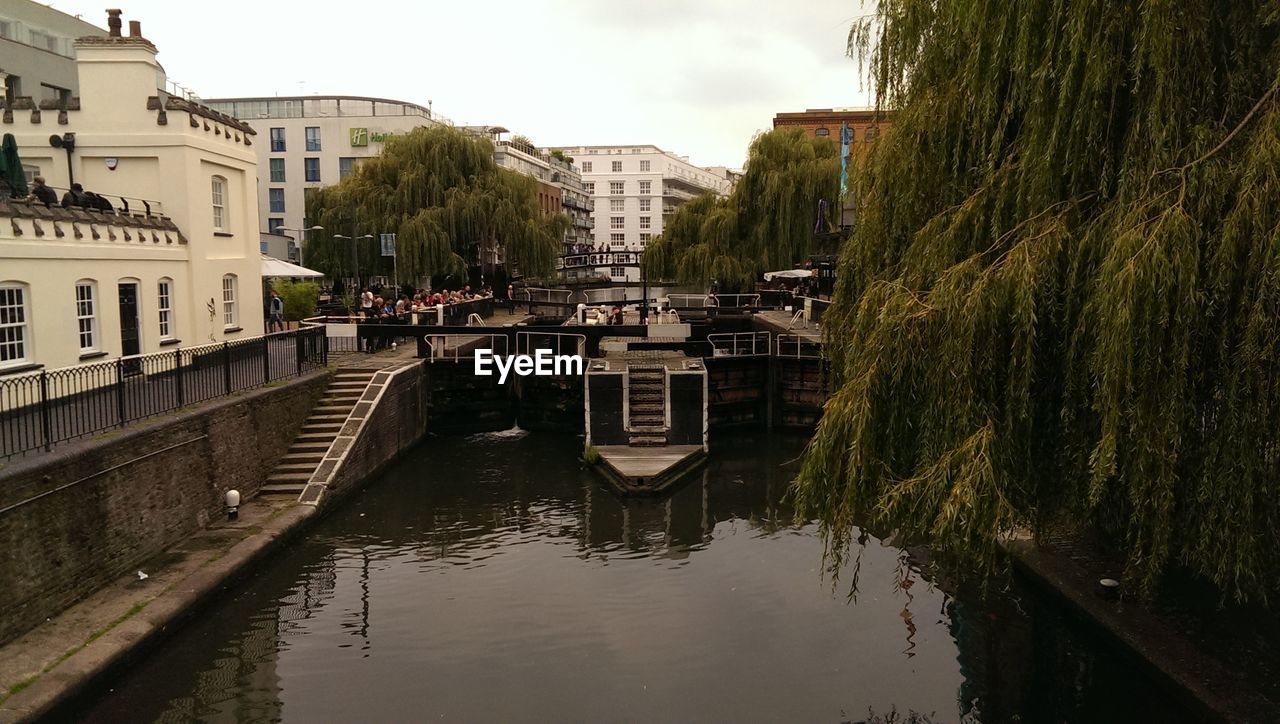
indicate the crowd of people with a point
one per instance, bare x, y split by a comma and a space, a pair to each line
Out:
588, 249
376, 308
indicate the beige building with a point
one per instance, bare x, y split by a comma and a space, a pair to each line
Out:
180, 267
37, 51
306, 142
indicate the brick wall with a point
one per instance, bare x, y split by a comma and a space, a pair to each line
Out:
398, 423
132, 494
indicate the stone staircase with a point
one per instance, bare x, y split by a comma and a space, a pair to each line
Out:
318, 433
646, 402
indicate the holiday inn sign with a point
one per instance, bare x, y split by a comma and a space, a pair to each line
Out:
362, 137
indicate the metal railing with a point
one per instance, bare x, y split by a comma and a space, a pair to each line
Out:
686, 301
475, 320
740, 344
41, 409
455, 347
794, 346
560, 343
733, 300
538, 294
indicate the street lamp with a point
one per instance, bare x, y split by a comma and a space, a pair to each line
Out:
354, 258
302, 238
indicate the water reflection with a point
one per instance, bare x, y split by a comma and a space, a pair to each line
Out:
494, 578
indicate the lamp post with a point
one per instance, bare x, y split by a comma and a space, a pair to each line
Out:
302, 236
355, 259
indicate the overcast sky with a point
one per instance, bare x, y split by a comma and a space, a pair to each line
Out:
698, 78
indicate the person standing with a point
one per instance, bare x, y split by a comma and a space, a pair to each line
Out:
275, 317
366, 303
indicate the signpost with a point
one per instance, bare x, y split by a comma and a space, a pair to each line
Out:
389, 249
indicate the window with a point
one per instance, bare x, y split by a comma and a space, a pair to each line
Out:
276, 199
277, 140
617, 241
645, 186
822, 132
87, 315
345, 167
645, 204
277, 170
313, 138
644, 222
311, 170
871, 133
229, 315
13, 324
164, 293
644, 238
589, 187
586, 167
617, 271
644, 166
617, 204
617, 166
273, 225
615, 188
617, 222
262, 247
219, 203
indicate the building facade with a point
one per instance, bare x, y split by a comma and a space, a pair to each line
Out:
866, 123
37, 52
307, 142
634, 190
178, 265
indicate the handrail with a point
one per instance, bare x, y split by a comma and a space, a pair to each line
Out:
794, 346
475, 320
455, 346
740, 344
525, 342
798, 316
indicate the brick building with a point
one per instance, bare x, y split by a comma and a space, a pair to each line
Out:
866, 123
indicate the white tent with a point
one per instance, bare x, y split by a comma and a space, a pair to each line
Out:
788, 274
273, 267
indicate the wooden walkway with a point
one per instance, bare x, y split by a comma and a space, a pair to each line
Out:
648, 469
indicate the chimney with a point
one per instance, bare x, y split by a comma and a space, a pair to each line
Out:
135, 28
113, 22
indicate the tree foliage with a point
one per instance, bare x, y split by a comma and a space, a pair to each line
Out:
299, 298
1061, 301
766, 223
450, 205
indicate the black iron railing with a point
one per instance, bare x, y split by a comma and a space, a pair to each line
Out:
41, 409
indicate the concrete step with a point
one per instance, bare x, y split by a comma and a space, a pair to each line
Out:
339, 399
285, 468
648, 429
303, 456
647, 441
332, 409
647, 408
315, 437
311, 445
326, 417
290, 477
282, 489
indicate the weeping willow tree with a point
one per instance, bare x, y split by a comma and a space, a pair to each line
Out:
767, 222
450, 205
1061, 301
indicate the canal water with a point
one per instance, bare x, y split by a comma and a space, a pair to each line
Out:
494, 578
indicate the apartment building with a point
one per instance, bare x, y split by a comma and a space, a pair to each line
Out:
635, 189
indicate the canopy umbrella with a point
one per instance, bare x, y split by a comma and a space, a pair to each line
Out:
273, 267
788, 274
11, 166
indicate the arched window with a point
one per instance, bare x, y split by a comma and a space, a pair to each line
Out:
871, 133
219, 203
87, 314
822, 132
15, 332
164, 296
230, 314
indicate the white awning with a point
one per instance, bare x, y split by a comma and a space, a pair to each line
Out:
273, 267
788, 274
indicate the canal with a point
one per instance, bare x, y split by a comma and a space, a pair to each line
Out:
493, 578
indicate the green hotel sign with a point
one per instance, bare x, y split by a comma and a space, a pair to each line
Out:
362, 137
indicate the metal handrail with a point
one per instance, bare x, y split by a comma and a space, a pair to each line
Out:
740, 344
525, 342
455, 346
475, 320
798, 316
794, 346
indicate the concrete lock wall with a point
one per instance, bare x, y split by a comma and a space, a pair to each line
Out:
75, 519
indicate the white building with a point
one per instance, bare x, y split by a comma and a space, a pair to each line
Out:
306, 142
635, 188
182, 266
37, 52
